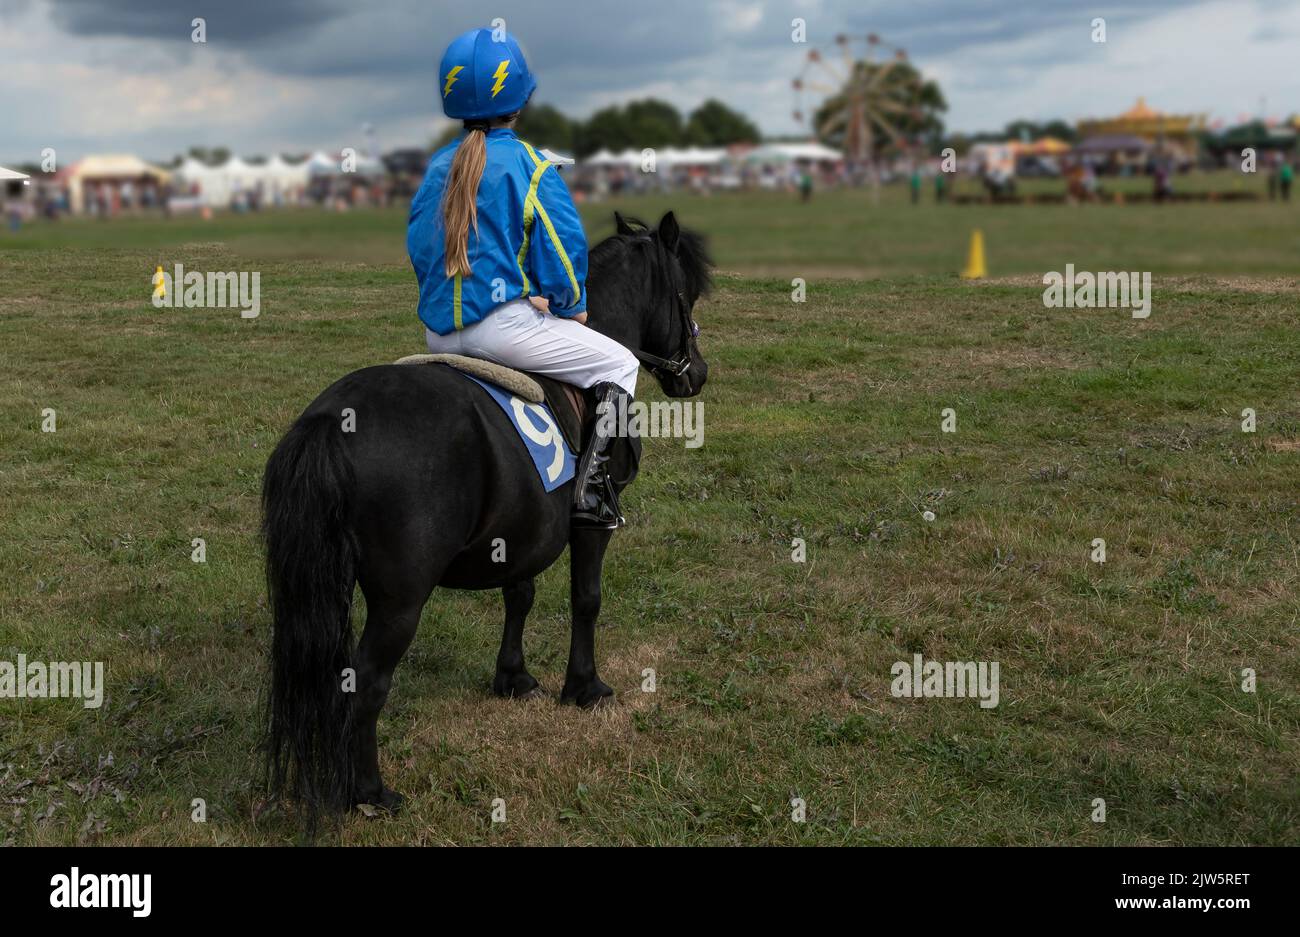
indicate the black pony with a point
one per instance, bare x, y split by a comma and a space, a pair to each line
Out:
401, 478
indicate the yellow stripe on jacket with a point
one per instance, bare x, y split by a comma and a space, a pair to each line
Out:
533, 203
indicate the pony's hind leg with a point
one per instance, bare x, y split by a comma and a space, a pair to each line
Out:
389, 631
512, 677
396, 585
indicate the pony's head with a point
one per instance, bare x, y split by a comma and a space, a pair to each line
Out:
648, 281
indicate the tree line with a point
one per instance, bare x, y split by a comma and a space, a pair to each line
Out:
637, 124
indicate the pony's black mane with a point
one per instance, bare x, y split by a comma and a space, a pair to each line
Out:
692, 254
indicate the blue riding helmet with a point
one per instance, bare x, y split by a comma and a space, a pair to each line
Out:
481, 77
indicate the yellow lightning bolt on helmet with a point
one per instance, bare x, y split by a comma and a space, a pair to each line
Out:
451, 79
501, 74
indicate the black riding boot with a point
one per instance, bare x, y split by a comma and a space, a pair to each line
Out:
595, 502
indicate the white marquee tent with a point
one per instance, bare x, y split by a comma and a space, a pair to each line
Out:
693, 156
285, 174
786, 152
218, 186
628, 158
322, 164
668, 156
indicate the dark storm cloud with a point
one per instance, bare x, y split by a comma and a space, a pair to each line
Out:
585, 46
936, 27
335, 37
408, 36
234, 20
580, 48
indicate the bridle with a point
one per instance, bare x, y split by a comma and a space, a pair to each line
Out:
678, 366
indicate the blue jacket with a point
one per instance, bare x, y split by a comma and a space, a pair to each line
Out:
530, 240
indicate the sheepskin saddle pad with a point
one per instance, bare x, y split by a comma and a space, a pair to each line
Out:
516, 382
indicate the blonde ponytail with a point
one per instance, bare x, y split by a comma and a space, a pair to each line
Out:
460, 201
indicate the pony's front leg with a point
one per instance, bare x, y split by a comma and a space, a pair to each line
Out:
512, 678
586, 558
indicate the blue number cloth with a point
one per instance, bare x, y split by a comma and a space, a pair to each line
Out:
537, 428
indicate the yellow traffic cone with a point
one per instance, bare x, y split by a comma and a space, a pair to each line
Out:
975, 268
159, 283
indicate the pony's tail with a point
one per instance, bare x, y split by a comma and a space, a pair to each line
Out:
460, 201
311, 560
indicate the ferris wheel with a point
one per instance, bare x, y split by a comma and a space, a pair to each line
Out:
857, 92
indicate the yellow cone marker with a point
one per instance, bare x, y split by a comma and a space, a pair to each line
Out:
975, 268
160, 284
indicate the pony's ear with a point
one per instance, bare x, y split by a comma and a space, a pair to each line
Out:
622, 226
669, 232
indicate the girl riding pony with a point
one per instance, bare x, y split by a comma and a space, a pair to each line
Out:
501, 257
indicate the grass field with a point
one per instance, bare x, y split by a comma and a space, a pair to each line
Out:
1119, 681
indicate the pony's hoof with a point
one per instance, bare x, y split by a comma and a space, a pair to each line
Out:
388, 801
521, 686
591, 695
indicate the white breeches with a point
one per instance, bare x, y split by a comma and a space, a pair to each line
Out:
520, 336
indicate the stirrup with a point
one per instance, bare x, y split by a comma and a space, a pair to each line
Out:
592, 522
606, 515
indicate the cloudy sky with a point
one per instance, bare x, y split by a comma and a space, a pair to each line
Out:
293, 75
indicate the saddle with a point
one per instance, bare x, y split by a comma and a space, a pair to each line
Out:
570, 405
